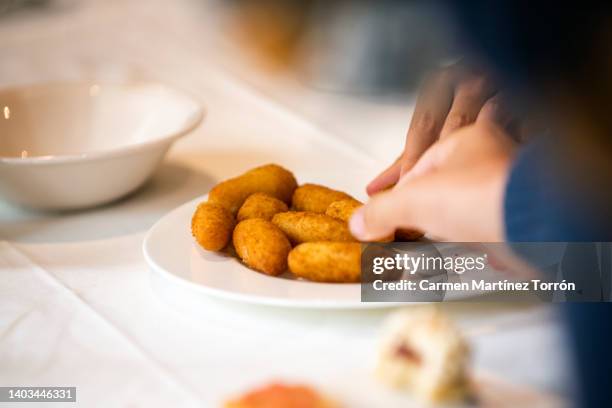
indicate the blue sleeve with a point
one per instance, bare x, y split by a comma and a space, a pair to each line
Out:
542, 204
559, 222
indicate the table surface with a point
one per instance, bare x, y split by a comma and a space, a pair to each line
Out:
77, 306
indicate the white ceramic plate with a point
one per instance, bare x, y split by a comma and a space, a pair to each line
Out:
177, 261
181, 269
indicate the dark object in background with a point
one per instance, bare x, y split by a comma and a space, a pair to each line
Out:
557, 53
374, 47
347, 46
590, 327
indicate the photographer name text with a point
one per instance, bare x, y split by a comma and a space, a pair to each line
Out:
473, 285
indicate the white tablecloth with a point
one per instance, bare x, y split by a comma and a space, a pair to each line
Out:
76, 304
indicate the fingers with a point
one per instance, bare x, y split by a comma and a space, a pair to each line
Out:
388, 211
385, 179
434, 157
378, 218
474, 213
430, 112
469, 97
494, 111
449, 100
455, 185
498, 110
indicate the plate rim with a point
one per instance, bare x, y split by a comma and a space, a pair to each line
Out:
190, 125
240, 297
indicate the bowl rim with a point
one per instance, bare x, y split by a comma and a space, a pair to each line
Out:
193, 122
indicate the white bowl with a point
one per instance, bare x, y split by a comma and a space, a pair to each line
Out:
75, 145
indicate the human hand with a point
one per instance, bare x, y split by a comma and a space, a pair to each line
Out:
454, 192
450, 99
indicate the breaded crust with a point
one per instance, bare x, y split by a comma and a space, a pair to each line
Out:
302, 226
260, 205
344, 209
270, 179
262, 246
315, 198
212, 225
327, 261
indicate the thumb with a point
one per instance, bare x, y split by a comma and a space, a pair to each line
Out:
409, 204
383, 214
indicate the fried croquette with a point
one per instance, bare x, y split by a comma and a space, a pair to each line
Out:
302, 226
344, 209
315, 198
327, 261
403, 235
212, 225
270, 179
282, 396
260, 205
262, 246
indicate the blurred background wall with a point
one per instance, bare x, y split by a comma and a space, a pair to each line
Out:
349, 67
353, 46
336, 45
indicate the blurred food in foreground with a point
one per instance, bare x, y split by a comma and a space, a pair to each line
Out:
423, 352
278, 395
